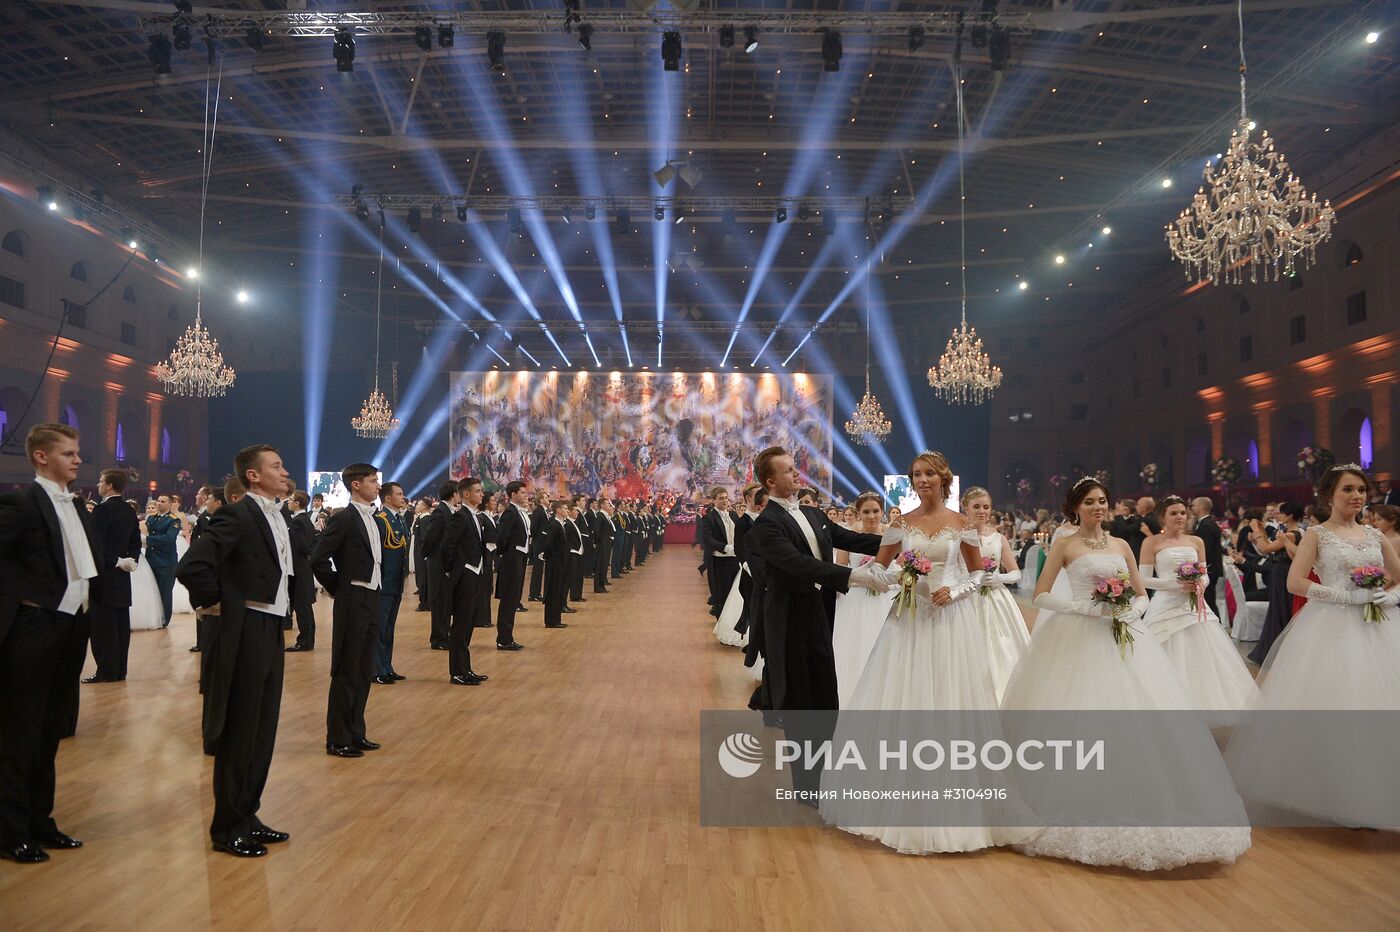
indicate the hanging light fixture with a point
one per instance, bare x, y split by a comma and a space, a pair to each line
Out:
195, 367
868, 424
964, 373
376, 418
1252, 211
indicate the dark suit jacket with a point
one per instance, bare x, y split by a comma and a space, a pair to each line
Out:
573, 537
554, 546
200, 523
234, 561
431, 529
302, 534
538, 519
742, 525
603, 532
163, 532
712, 536
1209, 533
462, 545
510, 530
794, 634
344, 552
117, 531
32, 565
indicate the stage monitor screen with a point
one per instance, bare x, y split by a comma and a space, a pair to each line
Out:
899, 494
328, 485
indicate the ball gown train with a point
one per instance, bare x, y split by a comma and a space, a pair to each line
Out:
147, 613
860, 615
1204, 657
1073, 663
1328, 658
1002, 622
931, 658
729, 616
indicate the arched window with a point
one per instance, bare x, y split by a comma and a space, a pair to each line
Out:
165, 444
14, 243
1241, 304
78, 272
1364, 442
70, 417
121, 443
1353, 255
129, 294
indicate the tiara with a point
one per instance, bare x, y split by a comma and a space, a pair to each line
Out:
1347, 467
1084, 479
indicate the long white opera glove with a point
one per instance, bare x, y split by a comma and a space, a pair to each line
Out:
1321, 593
1050, 602
892, 535
970, 584
1386, 597
970, 535
1139, 608
1001, 579
1150, 579
874, 577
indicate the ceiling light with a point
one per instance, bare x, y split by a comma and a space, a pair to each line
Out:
831, 51
1059, 260
680, 215
726, 37
46, 197
446, 35
191, 272
496, 50
1166, 182
241, 297
1107, 230
665, 174
1372, 37
660, 212
750, 39
585, 37
158, 54
564, 215
344, 49
423, 38
1024, 285
128, 236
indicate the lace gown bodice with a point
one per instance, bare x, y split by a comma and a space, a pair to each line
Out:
1085, 572
991, 546
1337, 557
942, 551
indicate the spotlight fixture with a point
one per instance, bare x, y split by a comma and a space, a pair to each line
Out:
999, 48
750, 39
153, 253
916, 38
184, 6
665, 174
461, 213
726, 37
660, 212
1372, 37
253, 38
671, 51
831, 51
1107, 230
357, 191
624, 221
344, 49
1024, 285
780, 215
192, 272
1166, 182
804, 213
361, 211
446, 35
158, 54
590, 212
423, 38
241, 297
690, 175
585, 37
415, 220
128, 236
1060, 260
211, 47
437, 211
180, 32
566, 216
496, 50
46, 197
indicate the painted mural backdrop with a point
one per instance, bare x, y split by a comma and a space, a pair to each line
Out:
635, 434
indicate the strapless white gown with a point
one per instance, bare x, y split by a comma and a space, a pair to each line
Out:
931, 658
860, 616
180, 596
729, 616
147, 612
1002, 622
1328, 658
1204, 657
1073, 663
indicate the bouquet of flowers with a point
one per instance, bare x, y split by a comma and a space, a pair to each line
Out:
1024, 488
1314, 461
1056, 481
1149, 475
1370, 577
1117, 591
1102, 476
913, 565
1226, 469
989, 565
1193, 571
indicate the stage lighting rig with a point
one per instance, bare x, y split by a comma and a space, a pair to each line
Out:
496, 50
183, 6
999, 48
750, 39
916, 38
415, 220
461, 213
447, 35
726, 37
624, 222
780, 215
585, 37
659, 213
361, 211
831, 50
180, 32
344, 49
437, 211
158, 53
671, 51
253, 38
804, 213
590, 212
423, 38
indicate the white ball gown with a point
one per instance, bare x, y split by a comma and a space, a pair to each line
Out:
860, 616
1201, 652
730, 614
932, 658
147, 611
180, 596
1328, 658
1002, 622
1073, 663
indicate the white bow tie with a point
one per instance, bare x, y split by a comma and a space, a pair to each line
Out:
60, 497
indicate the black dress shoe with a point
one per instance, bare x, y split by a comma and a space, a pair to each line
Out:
439, 647
421, 608
268, 836
298, 649
568, 611
364, 744
24, 854
385, 680
483, 624
195, 649
397, 677
244, 846
511, 646
560, 625
521, 608
480, 677
580, 599
464, 681
344, 750
57, 839
535, 598
99, 679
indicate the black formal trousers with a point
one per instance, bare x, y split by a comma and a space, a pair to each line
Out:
70, 670
439, 603
538, 571
556, 590
575, 576
483, 591
466, 608
111, 640
602, 559
619, 549
243, 751
304, 611
510, 583
354, 657
33, 716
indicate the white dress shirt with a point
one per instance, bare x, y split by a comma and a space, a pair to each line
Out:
476, 518
367, 517
525, 519
795, 510
579, 551
272, 514
728, 524
78, 561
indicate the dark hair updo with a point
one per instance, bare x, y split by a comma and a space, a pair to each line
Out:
1077, 493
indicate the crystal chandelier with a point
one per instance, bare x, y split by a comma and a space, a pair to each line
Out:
376, 419
964, 373
196, 368
868, 424
1252, 211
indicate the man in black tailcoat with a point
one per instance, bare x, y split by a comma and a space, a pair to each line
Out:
488, 571
513, 547
555, 553
439, 599
539, 517
463, 559
239, 573
1209, 532
794, 635
118, 535
303, 536
718, 539
603, 533
48, 560
578, 543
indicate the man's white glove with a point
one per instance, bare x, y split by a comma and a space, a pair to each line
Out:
874, 577
1386, 596
126, 565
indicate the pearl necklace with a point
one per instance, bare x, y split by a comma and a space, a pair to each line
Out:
1099, 543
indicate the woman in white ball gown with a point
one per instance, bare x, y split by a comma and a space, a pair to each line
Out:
930, 657
1002, 622
1074, 663
860, 613
1203, 655
1330, 657
147, 610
